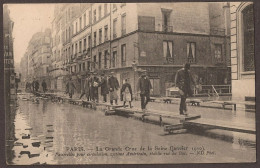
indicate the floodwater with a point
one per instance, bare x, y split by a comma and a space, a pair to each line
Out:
71, 134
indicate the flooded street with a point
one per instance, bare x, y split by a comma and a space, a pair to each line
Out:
55, 133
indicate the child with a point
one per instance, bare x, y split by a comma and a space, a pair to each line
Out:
126, 93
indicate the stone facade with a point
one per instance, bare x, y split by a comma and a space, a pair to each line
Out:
242, 49
112, 37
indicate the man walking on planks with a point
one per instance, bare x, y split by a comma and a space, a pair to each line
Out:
144, 86
184, 81
113, 86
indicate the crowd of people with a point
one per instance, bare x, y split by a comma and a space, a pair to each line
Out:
34, 86
109, 86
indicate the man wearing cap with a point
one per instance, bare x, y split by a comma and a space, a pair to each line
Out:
184, 81
143, 87
113, 86
104, 89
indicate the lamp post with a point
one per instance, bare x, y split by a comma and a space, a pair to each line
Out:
134, 66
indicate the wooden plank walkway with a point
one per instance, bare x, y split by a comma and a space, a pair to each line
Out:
236, 127
158, 113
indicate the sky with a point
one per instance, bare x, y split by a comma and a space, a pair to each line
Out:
28, 19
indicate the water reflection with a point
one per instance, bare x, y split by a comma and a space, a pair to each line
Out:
58, 127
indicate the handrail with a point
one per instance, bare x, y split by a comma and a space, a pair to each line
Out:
215, 90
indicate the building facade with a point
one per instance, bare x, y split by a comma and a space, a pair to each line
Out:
242, 49
35, 62
9, 72
125, 37
61, 42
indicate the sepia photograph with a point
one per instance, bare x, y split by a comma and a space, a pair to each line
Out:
129, 83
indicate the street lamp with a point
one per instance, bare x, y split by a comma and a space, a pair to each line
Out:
134, 66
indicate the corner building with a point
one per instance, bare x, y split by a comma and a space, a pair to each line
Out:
127, 37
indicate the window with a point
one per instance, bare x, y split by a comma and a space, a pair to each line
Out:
95, 16
76, 27
114, 28
100, 36
168, 51
72, 50
89, 15
114, 57
88, 65
105, 33
69, 52
123, 24
248, 34
85, 19
80, 46
83, 66
218, 53
89, 41
95, 38
85, 44
94, 61
76, 48
80, 23
105, 59
99, 60
123, 55
79, 67
99, 12
105, 9
191, 52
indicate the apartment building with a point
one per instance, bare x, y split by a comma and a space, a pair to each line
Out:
127, 37
9, 73
242, 50
36, 61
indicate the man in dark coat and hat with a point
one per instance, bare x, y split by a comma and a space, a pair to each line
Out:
113, 86
144, 87
44, 86
104, 89
184, 81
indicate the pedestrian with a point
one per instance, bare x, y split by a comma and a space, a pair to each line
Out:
70, 85
144, 87
27, 86
33, 85
184, 80
36, 85
126, 93
44, 86
91, 88
95, 85
86, 91
82, 87
104, 89
113, 86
